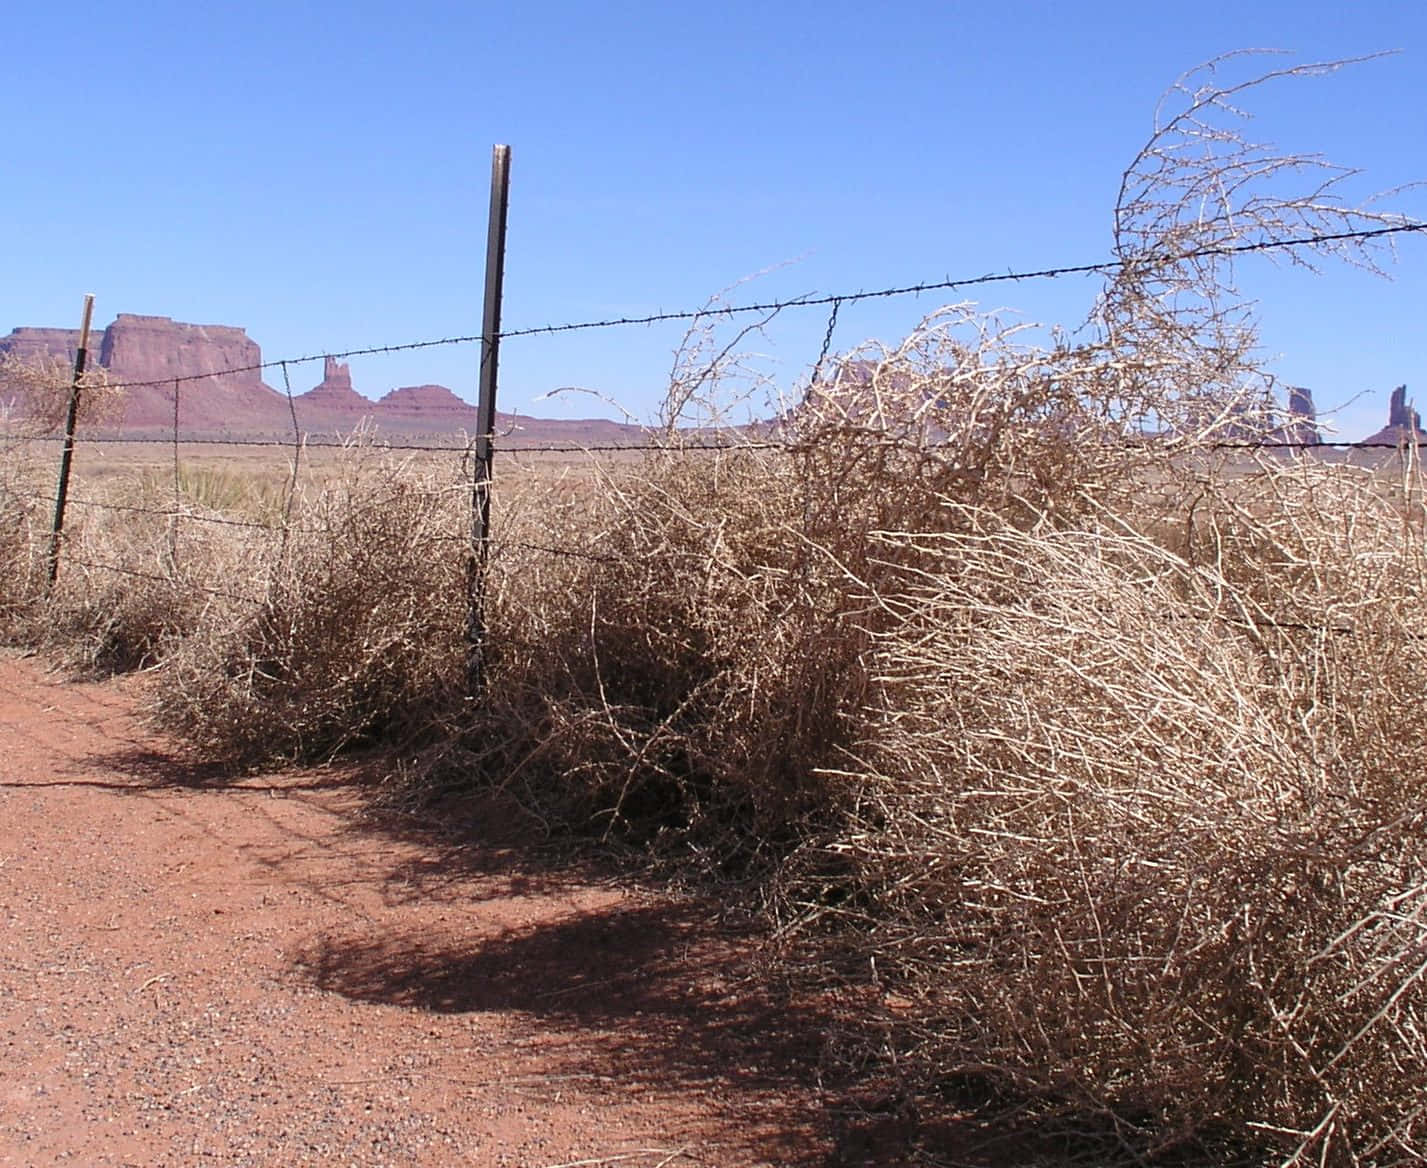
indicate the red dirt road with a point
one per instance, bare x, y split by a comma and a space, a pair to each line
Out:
256, 974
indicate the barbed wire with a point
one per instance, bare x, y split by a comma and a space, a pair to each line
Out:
275, 525
546, 549
285, 443
1311, 443
124, 570
158, 512
684, 447
836, 300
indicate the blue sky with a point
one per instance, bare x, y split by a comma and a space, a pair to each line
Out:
318, 173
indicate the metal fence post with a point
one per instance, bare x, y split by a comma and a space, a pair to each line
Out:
485, 421
66, 458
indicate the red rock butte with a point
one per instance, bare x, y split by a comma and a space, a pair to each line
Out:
207, 380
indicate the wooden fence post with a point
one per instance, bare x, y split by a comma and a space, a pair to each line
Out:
66, 458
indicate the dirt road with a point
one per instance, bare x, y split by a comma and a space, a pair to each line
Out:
256, 974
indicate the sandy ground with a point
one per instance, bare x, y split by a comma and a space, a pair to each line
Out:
257, 974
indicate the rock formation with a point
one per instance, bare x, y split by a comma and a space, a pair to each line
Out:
221, 393
1404, 424
425, 399
332, 398
1400, 414
425, 408
27, 343
336, 374
1301, 423
156, 350
148, 353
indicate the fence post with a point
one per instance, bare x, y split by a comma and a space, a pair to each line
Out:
485, 422
66, 458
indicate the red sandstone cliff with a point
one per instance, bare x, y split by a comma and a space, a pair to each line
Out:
146, 354
155, 349
221, 391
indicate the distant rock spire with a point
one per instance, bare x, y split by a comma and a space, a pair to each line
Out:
1301, 424
335, 374
1400, 415
1404, 424
333, 393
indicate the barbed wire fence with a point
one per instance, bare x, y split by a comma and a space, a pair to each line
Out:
302, 446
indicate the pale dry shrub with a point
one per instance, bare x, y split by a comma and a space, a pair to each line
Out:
35, 392
1114, 790
661, 674
683, 665
1106, 861
116, 598
354, 631
1198, 189
25, 517
95, 619
693, 648
136, 575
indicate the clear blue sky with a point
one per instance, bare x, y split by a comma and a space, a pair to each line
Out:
318, 173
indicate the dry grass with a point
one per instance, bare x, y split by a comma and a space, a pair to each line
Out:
1131, 849
1118, 797
23, 522
352, 630
35, 393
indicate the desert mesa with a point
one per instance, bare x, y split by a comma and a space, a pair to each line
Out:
206, 381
